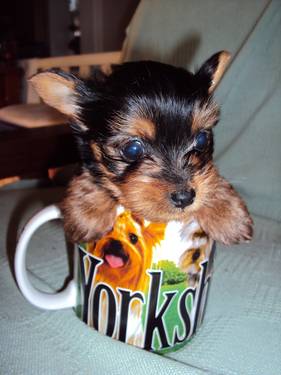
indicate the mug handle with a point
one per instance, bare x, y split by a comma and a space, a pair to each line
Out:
48, 301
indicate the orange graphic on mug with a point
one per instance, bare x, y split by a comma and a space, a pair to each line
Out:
127, 252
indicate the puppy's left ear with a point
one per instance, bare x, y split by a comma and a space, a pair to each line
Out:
60, 90
213, 69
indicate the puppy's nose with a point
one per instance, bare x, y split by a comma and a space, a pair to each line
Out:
182, 198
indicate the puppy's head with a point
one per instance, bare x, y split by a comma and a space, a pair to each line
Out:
144, 132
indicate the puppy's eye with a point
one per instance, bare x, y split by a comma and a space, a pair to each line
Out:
133, 151
133, 238
201, 141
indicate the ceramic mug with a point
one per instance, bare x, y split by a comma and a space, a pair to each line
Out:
143, 283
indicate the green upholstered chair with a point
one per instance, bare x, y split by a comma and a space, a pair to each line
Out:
241, 333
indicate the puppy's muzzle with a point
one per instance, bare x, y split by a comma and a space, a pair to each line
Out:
182, 198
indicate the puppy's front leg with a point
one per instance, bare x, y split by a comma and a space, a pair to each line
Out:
224, 216
88, 210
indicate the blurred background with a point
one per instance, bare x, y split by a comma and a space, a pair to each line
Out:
43, 28
74, 35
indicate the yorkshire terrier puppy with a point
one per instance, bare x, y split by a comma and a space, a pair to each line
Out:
145, 137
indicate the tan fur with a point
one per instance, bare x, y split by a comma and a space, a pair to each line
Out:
96, 151
108, 176
149, 197
220, 211
59, 93
204, 116
142, 128
136, 126
194, 161
224, 60
88, 210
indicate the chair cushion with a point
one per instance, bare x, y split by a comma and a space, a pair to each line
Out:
241, 333
31, 115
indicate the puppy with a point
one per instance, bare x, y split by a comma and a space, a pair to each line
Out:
145, 138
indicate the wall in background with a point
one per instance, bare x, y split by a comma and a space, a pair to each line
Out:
24, 28
104, 22
58, 25
39, 28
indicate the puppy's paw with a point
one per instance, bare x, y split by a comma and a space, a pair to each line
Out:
235, 226
88, 211
244, 225
225, 217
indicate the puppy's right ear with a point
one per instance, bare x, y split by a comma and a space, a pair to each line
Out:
61, 90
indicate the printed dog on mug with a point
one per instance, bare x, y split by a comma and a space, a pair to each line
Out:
126, 252
190, 263
145, 137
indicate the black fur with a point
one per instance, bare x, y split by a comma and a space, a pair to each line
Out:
160, 93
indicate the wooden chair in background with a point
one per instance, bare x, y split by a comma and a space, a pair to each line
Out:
35, 137
82, 65
33, 113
